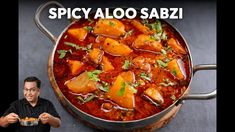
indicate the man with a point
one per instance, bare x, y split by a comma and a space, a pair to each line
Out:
31, 106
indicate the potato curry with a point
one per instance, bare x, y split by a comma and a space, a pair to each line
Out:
121, 69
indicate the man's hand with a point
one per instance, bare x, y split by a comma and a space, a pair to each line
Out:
11, 118
47, 118
8, 119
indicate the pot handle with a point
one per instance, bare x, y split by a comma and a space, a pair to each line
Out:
201, 96
38, 22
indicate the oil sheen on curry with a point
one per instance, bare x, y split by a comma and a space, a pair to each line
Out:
121, 69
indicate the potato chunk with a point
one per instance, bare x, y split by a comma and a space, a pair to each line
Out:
78, 33
175, 69
154, 94
175, 46
81, 84
74, 66
141, 63
106, 64
109, 27
115, 48
144, 42
126, 100
141, 27
128, 76
96, 55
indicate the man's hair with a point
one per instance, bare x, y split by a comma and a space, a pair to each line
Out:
33, 79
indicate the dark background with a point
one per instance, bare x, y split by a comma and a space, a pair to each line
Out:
198, 27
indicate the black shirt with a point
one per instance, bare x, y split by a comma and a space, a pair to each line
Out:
24, 109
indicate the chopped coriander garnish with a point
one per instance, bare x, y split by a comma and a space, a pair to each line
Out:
63, 53
122, 89
111, 23
166, 60
173, 97
93, 75
145, 22
136, 84
168, 48
156, 37
161, 63
89, 98
91, 21
156, 26
65, 36
88, 28
77, 47
133, 89
174, 72
163, 52
144, 76
73, 45
88, 47
80, 98
167, 83
126, 64
105, 86
164, 36
128, 33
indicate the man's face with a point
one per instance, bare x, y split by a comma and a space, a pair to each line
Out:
31, 91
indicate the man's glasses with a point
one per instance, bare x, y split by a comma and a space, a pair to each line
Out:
30, 90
